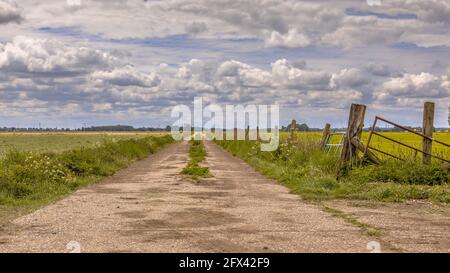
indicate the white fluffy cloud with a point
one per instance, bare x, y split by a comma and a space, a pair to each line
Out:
50, 70
125, 76
243, 74
410, 91
30, 55
349, 78
287, 24
286, 75
9, 13
423, 85
66, 79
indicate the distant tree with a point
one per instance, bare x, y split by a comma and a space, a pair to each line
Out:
303, 127
300, 127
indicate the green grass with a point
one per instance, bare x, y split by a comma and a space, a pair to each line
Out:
59, 142
197, 154
308, 171
368, 229
30, 178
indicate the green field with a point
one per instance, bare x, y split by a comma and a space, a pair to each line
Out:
411, 140
58, 142
386, 145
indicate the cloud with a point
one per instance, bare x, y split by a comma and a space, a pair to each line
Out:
423, 85
196, 27
292, 39
125, 76
349, 78
431, 11
66, 79
380, 70
28, 55
288, 76
285, 83
243, 74
411, 90
279, 24
9, 13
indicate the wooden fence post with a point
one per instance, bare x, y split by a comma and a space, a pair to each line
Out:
428, 121
247, 133
325, 135
292, 129
354, 130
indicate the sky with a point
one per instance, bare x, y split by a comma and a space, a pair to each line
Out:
66, 63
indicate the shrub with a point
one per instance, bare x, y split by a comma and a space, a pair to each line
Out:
197, 154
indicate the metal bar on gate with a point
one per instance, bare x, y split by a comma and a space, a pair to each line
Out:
412, 131
370, 136
372, 132
411, 147
385, 153
334, 147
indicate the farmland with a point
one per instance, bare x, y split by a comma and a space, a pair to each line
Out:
383, 144
58, 142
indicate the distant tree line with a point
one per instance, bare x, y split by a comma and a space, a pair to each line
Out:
127, 128
18, 129
108, 128
300, 128
124, 128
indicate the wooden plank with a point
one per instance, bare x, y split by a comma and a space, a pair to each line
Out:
354, 130
369, 155
325, 135
293, 129
428, 122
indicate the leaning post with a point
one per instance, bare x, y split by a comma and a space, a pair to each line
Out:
354, 130
325, 135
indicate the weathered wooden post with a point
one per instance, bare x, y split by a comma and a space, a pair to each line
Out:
292, 129
354, 130
235, 134
247, 133
326, 133
428, 122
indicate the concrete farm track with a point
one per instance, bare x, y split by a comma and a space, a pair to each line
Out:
151, 207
